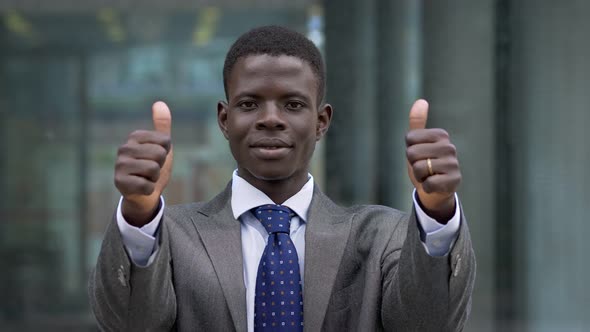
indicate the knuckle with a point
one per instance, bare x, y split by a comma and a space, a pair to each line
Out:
451, 165
441, 133
451, 149
161, 158
122, 183
153, 167
121, 150
448, 184
120, 163
161, 151
154, 170
411, 154
135, 134
165, 142
118, 180
124, 149
410, 137
146, 187
139, 135
416, 167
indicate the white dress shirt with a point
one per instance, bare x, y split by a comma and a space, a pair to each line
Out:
141, 244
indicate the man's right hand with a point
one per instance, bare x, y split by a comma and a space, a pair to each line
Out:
143, 168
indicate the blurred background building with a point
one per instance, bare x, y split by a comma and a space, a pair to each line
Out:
509, 79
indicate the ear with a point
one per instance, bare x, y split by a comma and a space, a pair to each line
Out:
324, 118
222, 111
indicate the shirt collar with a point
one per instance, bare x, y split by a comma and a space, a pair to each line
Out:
245, 197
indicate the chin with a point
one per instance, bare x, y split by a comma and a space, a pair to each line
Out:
270, 171
271, 174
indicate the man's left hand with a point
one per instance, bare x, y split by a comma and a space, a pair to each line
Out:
432, 165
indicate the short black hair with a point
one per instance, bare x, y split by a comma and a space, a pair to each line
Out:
275, 41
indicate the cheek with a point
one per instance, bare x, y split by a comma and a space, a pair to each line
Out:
308, 146
235, 142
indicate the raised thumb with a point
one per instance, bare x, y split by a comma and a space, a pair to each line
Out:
162, 117
419, 114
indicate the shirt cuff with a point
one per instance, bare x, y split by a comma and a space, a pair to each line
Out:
140, 242
439, 238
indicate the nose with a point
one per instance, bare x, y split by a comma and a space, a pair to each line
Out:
270, 117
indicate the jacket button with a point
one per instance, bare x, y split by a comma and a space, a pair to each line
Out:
457, 266
121, 276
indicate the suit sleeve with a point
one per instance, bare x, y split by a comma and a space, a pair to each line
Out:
128, 297
423, 292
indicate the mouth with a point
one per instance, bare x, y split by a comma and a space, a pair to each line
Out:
271, 148
268, 147
270, 143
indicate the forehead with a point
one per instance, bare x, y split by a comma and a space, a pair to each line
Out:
270, 73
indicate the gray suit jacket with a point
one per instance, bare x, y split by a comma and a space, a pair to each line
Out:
365, 270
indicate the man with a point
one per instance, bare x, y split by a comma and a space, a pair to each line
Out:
272, 252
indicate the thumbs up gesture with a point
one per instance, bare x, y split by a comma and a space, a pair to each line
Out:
143, 167
432, 165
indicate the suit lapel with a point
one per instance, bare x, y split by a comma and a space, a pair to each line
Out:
221, 235
326, 234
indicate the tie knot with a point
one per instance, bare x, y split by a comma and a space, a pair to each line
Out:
275, 218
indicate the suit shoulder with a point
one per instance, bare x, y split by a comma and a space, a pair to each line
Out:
180, 212
378, 214
376, 227
363, 213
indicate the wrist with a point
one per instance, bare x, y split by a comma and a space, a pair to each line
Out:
139, 215
442, 209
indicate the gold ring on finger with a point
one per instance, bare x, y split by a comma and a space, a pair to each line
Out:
429, 163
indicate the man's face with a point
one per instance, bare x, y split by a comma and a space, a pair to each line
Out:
272, 119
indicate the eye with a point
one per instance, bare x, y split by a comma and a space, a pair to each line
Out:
294, 105
247, 105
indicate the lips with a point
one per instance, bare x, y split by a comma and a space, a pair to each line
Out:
270, 148
270, 143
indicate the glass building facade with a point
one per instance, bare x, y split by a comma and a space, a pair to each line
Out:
508, 79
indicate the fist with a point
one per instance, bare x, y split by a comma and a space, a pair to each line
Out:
432, 164
143, 167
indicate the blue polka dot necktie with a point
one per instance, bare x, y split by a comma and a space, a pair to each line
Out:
278, 304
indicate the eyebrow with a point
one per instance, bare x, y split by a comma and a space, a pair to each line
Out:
247, 94
296, 95
255, 95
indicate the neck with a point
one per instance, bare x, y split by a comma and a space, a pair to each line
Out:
278, 190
